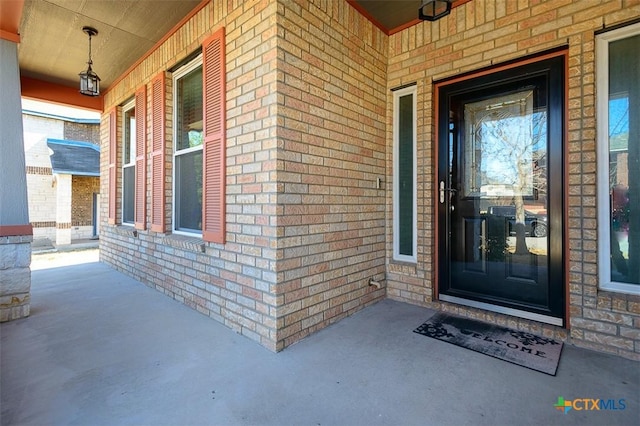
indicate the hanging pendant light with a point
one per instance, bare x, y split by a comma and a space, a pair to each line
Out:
89, 80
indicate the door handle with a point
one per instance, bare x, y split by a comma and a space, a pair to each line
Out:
443, 190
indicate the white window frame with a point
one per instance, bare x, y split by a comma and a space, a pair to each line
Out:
602, 111
177, 75
132, 158
411, 90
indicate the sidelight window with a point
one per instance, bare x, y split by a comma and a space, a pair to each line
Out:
618, 68
404, 175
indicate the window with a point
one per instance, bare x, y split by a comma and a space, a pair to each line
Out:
113, 159
618, 68
188, 137
404, 175
128, 162
199, 148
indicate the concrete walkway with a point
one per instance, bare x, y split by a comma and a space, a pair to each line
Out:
41, 246
103, 349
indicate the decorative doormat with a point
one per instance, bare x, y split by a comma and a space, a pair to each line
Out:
519, 347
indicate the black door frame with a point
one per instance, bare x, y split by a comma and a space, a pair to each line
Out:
441, 240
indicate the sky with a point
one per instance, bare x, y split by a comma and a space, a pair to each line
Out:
618, 116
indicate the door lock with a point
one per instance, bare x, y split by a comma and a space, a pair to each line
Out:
443, 190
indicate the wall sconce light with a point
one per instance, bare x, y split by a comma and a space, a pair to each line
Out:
89, 80
432, 10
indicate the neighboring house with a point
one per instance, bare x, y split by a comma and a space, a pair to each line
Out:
62, 156
328, 153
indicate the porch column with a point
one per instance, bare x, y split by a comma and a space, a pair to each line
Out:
16, 233
63, 209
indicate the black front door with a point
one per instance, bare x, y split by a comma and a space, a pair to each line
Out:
500, 200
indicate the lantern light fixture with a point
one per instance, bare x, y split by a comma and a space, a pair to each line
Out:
432, 10
89, 80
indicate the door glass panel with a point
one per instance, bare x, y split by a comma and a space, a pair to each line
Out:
504, 173
499, 145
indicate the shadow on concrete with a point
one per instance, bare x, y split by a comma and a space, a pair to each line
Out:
101, 348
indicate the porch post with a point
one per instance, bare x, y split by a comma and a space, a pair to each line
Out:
16, 233
63, 209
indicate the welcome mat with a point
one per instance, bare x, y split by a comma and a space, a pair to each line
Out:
519, 347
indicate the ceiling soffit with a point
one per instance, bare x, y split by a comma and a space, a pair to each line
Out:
54, 48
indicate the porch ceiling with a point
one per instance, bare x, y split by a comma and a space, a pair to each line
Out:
54, 49
389, 15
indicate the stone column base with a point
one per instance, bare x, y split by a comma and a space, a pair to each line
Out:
15, 277
13, 308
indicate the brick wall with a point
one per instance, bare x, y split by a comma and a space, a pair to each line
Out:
85, 132
41, 192
233, 283
36, 130
479, 34
331, 113
82, 190
305, 222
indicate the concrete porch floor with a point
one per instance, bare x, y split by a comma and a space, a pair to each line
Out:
103, 349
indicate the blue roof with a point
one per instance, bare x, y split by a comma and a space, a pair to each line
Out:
74, 157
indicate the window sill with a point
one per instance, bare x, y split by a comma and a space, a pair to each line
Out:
401, 262
127, 231
184, 242
621, 288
